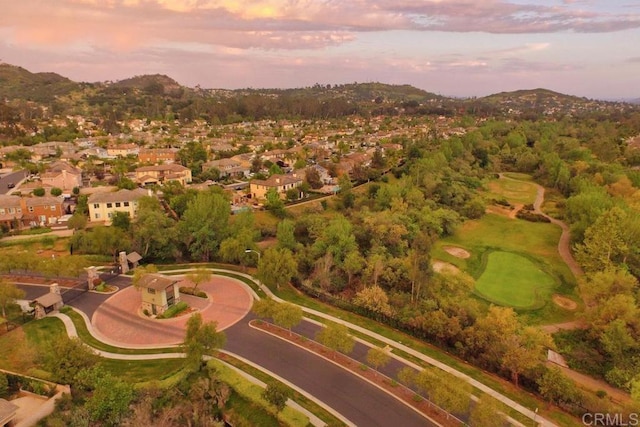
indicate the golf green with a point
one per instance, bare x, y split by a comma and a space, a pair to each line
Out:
513, 280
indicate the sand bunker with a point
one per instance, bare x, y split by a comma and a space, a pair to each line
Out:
565, 302
457, 252
444, 267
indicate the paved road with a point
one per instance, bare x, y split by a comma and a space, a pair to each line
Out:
11, 178
360, 402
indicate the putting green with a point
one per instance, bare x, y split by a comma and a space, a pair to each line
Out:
513, 280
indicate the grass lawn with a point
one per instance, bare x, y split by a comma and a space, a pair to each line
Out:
143, 370
518, 189
514, 280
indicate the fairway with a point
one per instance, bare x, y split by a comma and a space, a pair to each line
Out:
513, 280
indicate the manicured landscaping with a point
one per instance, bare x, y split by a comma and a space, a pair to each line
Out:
143, 370
514, 280
87, 338
516, 188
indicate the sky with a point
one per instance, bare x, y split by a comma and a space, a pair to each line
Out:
460, 48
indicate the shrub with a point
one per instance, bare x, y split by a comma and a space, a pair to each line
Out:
188, 290
174, 310
531, 216
39, 192
55, 191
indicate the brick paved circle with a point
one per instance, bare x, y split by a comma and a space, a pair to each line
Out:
118, 320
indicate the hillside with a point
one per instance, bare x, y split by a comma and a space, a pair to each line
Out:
18, 83
159, 96
547, 102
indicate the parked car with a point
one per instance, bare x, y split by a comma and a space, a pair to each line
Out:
10, 185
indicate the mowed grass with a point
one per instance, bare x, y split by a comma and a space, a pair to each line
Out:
496, 232
514, 280
516, 188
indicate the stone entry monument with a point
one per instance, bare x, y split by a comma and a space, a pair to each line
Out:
92, 275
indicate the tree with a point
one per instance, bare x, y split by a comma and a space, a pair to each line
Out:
525, 350
287, 315
312, 176
274, 203
55, 191
140, 272
374, 298
77, 357
200, 339
485, 413
121, 220
204, 224
8, 294
198, 276
78, 221
556, 388
276, 394
264, 308
154, 234
378, 357
276, 267
445, 390
39, 192
285, 235
353, 264
604, 243
336, 337
110, 399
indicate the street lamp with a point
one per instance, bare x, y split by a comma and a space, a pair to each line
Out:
254, 251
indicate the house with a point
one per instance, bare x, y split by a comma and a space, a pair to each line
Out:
103, 205
123, 150
51, 149
324, 174
62, 175
157, 155
281, 183
18, 212
158, 293
163, 173
228, 167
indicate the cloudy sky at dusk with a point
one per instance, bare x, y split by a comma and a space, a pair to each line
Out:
452, 47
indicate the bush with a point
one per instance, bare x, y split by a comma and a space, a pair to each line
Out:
174, 310
531, 216
55, 191
192, 291
4, 385
39, 192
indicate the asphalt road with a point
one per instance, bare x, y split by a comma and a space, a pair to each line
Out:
357, 400
11, 178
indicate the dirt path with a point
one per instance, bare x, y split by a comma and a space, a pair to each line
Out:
564, 248
556, 327
594, 385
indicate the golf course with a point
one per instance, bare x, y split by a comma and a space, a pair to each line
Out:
514, 262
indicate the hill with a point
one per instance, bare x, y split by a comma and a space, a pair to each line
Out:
547, 102
18, 83
152, 84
